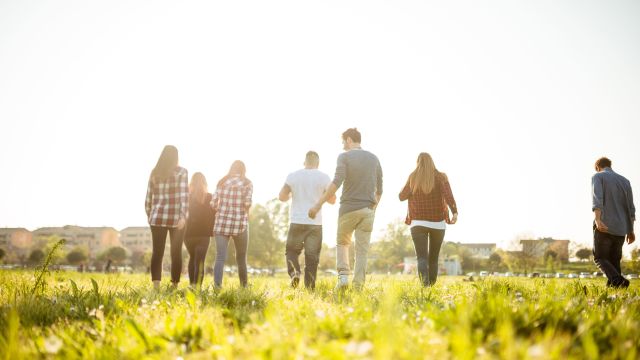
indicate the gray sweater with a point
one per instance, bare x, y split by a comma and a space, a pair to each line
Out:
361, 173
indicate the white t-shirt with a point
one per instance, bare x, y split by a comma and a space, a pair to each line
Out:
438, 225
307, 186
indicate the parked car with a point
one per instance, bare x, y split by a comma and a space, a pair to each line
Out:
534, 275
632, 276
598, 274
560, 275
585, 275
484, 273
572, 276
508, 274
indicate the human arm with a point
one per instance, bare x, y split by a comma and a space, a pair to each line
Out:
248, 193
285, 193
183, 188
328, 194
449, 199
597, 199
149, 198
406, 192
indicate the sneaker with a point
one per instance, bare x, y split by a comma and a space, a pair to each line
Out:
343, 281
295, 280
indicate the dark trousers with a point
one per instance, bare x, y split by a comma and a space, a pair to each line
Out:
241, 242
309, 238
159, 238
197, 247
427, 242
607, 253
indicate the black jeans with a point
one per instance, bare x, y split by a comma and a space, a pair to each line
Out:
159, 238
607, 253
427, 242
309, 238
197, 247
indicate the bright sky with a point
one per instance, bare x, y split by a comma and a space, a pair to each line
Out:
515, 100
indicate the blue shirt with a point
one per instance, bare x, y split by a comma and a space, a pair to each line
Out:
612, 194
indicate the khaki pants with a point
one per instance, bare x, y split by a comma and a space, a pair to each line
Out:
360, 222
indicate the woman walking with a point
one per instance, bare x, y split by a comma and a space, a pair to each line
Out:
167, 211
430, 199
199, 227
231, 202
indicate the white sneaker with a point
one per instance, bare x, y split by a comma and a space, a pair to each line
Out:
343, 281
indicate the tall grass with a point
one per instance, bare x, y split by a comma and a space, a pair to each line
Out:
80, 316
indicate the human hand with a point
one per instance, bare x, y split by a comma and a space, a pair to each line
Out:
181, 223
601, 226
313, 211
631, 237
454, 218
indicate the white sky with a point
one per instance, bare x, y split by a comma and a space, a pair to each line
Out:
514, 100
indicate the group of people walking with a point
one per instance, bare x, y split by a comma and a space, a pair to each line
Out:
189, 213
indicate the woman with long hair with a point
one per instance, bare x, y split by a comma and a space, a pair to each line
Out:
167, 211
430, 199
199, 227
231, 202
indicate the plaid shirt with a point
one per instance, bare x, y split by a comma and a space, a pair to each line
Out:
168, 201
230, 202
432, 206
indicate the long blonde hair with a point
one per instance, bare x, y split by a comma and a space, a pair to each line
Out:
198, 187
423, 178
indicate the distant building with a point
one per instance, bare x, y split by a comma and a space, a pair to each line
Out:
96, 239
136, 239
448, 266
480, 250
16, 241
537, 248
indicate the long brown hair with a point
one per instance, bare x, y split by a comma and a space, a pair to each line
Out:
237, 169
423, 178
198, 187
166, 165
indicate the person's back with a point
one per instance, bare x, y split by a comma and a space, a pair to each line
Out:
307, 186
360, 174
616, 201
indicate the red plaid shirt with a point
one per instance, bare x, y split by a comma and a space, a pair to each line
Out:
432, 206
230, 202
168, 201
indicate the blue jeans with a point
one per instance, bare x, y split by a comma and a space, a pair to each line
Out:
309, 238
241, 242
427, 242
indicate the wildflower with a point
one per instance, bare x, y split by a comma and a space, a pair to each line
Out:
359, 348
320, 314
52, 344
536, 351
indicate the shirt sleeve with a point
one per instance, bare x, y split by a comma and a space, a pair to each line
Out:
214, 199
149, 199
448, 196
597, 191
248, 193
405, 193
379, 179
632, 208
184, 195
341, 171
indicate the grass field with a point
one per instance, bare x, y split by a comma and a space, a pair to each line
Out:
95, 316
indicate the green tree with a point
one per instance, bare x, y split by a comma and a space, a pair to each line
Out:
495, 260
389, 252
265, 249
584, 254
635, 260
36, 256
78, 255
117, 254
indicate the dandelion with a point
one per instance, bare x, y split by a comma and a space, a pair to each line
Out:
535, 351
320, 314
359, 348
52, 344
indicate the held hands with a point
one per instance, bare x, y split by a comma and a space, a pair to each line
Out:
631, 237
314, 211
601, 226
181, 223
